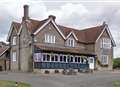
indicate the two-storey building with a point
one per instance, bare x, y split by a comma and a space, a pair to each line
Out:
46, 45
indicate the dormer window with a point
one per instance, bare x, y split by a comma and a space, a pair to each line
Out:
105, 43
14, 40
49, 38
71, 42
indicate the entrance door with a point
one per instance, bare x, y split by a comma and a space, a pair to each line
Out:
91, 63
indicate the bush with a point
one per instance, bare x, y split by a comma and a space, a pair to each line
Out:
116, 63
47, 72
56, 71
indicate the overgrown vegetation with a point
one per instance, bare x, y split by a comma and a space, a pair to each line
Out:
4, 83
116, 63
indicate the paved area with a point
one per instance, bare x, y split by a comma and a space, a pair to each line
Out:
97, 79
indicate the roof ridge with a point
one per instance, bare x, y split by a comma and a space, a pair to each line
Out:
80, 29
91, 27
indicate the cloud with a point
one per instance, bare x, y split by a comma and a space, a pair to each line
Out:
79, 15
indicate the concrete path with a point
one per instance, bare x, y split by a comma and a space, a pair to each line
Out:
97, 79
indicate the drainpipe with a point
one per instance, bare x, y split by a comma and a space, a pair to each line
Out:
19, 61
32, 47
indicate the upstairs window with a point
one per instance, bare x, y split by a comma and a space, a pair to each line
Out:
105, 43
49, 38
14, 55
71, 42
14, 40
104, 59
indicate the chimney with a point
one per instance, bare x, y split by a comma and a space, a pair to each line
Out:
104, 22
52, 17
26, 12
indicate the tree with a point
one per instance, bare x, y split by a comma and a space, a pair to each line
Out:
116, 63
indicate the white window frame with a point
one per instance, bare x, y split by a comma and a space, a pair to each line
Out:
49, 38
105, 43
37, 57
14, 56
14, 40
71, 42
46, 57
104, 58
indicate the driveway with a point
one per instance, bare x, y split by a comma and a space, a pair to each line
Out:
97, 79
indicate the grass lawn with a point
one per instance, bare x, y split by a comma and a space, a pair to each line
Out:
117, 83
4, 83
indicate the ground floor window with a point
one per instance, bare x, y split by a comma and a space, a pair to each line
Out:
104, 59
47, 57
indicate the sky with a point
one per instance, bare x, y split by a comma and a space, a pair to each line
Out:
79, 14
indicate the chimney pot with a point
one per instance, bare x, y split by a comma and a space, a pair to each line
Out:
52, 17
26, 12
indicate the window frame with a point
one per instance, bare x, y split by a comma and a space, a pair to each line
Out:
14, 56
71, 42
106, 43
105, 59
49, 38
14, 40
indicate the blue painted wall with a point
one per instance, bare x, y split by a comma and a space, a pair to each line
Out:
57, 65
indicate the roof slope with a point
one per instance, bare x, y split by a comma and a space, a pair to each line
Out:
3, 50
88, 35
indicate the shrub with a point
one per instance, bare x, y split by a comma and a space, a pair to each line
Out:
116, 63
56, 71
47, 72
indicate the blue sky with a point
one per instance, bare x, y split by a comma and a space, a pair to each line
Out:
74, 13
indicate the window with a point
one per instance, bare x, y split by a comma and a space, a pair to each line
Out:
44, 57
104, 59
37, 57
48, 57
79, 59
76, 59
52, 58
61, 58
14, 40
56, 58
14, 56
71, 59
49, 38
71, 42
65, 58
105, 43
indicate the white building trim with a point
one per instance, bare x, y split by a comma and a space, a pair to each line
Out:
10, 31
72, 33
50, 20
106, 28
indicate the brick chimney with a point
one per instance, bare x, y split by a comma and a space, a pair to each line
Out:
52, 17
26, 12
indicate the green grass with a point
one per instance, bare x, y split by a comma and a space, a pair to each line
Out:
4, 83
117, 83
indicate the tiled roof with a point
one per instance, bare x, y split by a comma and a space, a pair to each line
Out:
88, 35
16, 25
2, 50
62, 49
33, 25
